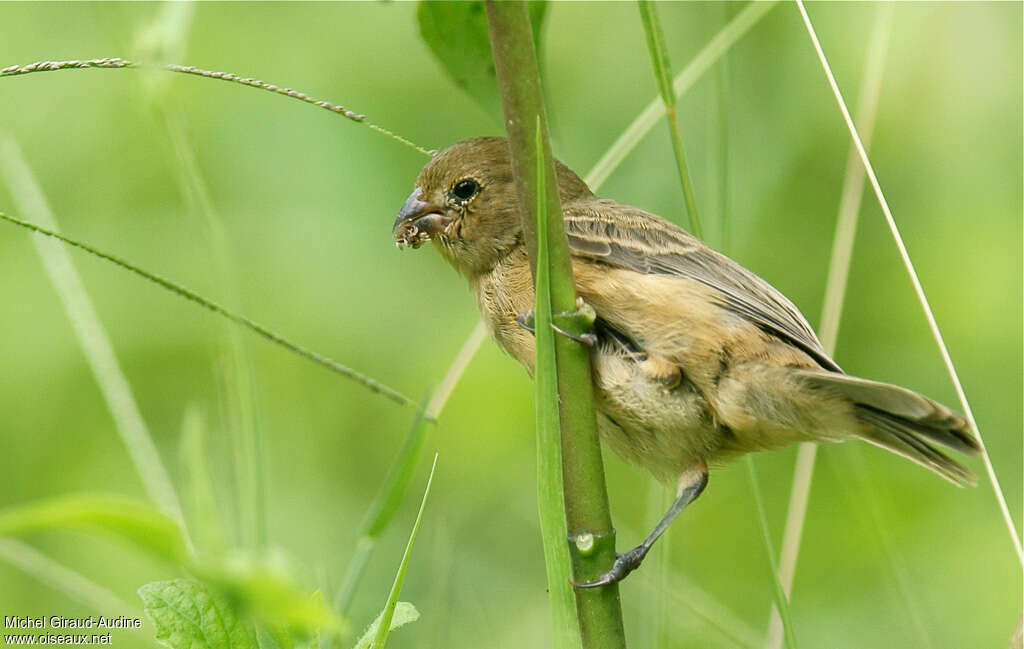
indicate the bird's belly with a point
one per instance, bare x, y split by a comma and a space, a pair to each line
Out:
664, 430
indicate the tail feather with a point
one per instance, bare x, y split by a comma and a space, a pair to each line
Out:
904, 438
904, 422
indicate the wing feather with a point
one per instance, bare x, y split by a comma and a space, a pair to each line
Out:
625, 237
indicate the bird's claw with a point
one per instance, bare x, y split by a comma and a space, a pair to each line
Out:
525, 320
578, 324
587, 338
624, 564
567, 323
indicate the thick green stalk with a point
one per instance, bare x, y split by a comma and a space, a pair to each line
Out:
662, 72
587, 519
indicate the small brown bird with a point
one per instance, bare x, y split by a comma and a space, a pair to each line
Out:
696, 361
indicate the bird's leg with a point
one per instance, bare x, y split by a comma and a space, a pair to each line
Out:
663, 371
691, 484
576, 325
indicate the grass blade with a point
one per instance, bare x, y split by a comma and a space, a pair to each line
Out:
719, 110
835, 289
662, 70
549, 439
91, 335
683, 81
181, 291
384, 624
139, 523
404, 614
918, 289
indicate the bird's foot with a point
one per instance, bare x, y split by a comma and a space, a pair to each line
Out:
576, 325
525, 320
624, 564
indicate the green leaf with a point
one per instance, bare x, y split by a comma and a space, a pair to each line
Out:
263, 587
189, 615
662, 72
456, 33
387, 615
404, 613
141, 524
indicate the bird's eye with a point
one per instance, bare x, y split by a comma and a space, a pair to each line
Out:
465, 189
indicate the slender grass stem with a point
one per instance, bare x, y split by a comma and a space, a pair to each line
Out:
64, 579
835, 290
662, 72
371, 384
683, 81
918, 289
781, 599
723, 80
95, 343
119, 63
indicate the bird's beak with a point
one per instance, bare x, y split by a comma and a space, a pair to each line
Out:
417, 221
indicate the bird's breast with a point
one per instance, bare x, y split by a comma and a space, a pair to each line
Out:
501, 295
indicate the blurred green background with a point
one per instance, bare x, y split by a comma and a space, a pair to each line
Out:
307, 200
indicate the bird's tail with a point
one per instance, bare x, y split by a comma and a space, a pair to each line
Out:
904, 422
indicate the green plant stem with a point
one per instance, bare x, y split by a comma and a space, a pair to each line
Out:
835, 291
585, 497
116, 63
662, 72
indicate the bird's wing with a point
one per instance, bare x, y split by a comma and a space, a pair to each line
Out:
625, 237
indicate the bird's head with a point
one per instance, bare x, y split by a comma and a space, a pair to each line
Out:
465, 201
